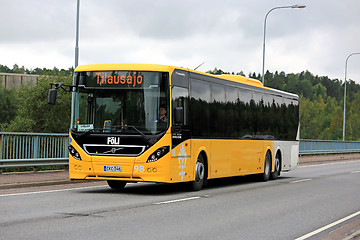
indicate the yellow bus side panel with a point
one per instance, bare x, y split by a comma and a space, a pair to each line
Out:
232, 157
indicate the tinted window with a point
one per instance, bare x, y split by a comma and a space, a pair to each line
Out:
200, 90
200, 108
239, 113
231, 94
245, 95
217, 93
218, 111
180, 98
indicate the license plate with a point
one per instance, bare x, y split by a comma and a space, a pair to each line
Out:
113, 168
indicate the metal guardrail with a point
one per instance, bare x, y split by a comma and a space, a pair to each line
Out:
50, 149
33, 149
308, 147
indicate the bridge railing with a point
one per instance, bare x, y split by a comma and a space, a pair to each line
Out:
309, 146
33, 149
51, 149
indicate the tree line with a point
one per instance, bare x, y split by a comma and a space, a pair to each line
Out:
36, 71
321, 103
27, 110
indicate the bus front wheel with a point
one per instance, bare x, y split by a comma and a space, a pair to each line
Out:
118, 185
200, 174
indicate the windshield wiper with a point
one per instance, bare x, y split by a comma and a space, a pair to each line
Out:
147, 139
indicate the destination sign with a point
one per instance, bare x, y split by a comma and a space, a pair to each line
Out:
119, 79
104, 78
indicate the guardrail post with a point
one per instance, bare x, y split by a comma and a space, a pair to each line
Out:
36, 143
1, 150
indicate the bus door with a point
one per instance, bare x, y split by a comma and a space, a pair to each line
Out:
180, 107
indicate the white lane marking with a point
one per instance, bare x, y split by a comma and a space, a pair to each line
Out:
358, 171
328, 226
302, 180
177, 200
325, 164
49, 191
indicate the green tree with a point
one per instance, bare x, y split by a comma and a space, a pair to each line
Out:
34, 113
8, 106
352, 131
4, 69
217, 71
319, 91
336, 124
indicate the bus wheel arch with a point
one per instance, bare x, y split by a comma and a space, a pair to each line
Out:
201, 172
277, 165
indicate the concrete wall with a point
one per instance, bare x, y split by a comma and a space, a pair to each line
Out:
14, 80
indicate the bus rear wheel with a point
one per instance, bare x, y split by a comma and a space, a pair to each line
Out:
118, 185
276, 173
200, 174
267, 167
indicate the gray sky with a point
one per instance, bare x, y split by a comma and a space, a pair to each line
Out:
226, 34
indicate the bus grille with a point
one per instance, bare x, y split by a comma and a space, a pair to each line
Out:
114, 150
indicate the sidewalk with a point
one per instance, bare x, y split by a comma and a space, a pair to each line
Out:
30, 179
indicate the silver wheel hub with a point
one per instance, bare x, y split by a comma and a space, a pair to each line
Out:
200, 171
277, 164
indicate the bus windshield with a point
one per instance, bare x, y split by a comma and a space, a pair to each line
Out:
121, 102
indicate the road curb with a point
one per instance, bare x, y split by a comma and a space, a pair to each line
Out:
40, 184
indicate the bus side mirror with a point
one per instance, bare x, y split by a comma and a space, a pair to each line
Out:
52, 96
53, 91
179, 116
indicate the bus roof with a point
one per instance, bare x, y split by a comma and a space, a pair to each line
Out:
170, 69
124, 66
157, 67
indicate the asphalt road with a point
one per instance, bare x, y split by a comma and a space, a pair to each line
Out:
296, 204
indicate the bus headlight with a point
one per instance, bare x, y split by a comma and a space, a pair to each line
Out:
74, 153
159, 153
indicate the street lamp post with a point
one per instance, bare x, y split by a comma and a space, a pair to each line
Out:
345, 91
77, 34
73, 99
292, 6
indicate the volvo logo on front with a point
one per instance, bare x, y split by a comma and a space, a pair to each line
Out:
113, 140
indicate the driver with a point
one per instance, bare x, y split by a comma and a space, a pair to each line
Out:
162, 115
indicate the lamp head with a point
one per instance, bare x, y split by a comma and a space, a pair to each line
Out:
298, 6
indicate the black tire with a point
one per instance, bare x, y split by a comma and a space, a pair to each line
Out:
118, 185
267, 167
200, 174
277, 166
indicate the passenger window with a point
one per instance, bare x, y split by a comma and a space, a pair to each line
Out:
217, 94
180, 98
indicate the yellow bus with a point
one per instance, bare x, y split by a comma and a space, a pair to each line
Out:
157, 123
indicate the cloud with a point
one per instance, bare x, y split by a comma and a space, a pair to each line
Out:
33, 55
224, 34
36, 21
